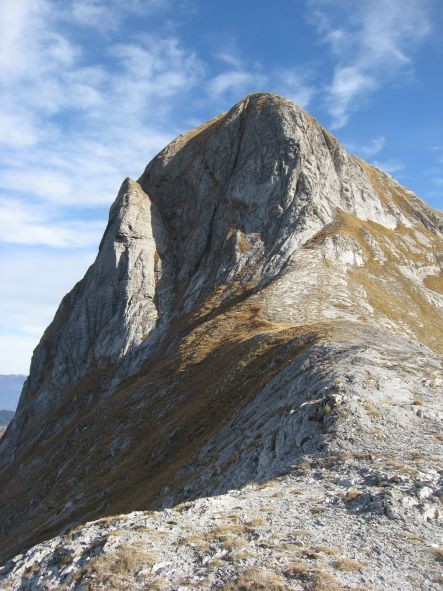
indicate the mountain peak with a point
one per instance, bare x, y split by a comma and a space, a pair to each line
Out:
256, 288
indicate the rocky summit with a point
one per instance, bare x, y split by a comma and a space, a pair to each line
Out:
243, 391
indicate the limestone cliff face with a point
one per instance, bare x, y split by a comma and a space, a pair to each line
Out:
254, 292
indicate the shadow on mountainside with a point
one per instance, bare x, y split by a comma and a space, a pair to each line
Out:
121, 454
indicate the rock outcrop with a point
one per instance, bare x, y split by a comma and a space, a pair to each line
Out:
261, 301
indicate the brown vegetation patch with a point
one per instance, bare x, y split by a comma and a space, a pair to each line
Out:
391, 293
117, 569
256, 579
350, 495
313, 578
347, 564
434, 282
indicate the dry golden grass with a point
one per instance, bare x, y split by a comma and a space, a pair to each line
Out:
196, 539
330, 550
434, 282
390, 292
351, 494
400, 467
255, 579
314, 579
228, 529
371, 409
410, 537
317, 510
302, 533
298, 570
310, 553
323, 580
239, 555
255, 522
198, 135
347, 564
116, 569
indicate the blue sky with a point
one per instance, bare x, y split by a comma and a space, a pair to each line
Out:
91, 90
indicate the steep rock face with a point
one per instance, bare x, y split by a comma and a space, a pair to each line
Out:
257, 294
106, 315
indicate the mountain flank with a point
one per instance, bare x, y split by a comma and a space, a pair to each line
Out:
245, 387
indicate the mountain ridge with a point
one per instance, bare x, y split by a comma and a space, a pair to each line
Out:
256, 285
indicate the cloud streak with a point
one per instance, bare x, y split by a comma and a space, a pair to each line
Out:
370, 43
33, 283
242, 78
32, 225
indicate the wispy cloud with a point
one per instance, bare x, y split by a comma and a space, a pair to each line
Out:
296, 86
27, 224
243, 77
373, 147
370, 42
73, 124
83, 127
235, 81
391, 165
33, 283
439, 151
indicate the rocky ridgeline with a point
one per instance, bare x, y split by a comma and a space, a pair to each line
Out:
253, 365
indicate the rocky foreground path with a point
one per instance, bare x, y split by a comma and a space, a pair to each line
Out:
353, 521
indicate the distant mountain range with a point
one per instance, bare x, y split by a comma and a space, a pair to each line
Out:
5, 419
10, 389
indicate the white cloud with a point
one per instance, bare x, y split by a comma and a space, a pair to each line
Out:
33, 282
17, 129
439, 151
373, 43
348, 83
106, 15
295, 87
82, 129
16, 352
235, 81
74, 123
242, 78
32, 225
391, 165
230, 58
373, 147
